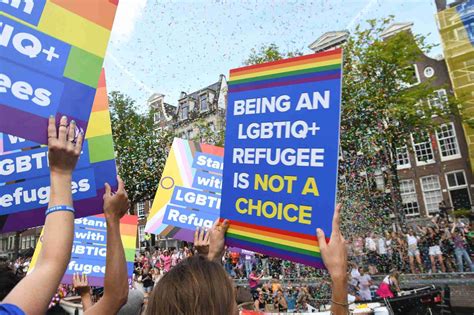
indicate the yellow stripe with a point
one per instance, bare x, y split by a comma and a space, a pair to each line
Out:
275, 240
287, 69
129, 241
99, 124
74, 29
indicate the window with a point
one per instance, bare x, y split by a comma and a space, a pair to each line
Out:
403, 159
203, 103
184, 111
141, 233
461, 33
448, 142
431, 192
423, 149
409, 198
458, 190
413, 77
439, 99
141, 209
428, 72
379, 182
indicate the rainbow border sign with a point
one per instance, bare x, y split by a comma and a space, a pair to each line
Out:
24, 173
90, 245
281, 155
51, 56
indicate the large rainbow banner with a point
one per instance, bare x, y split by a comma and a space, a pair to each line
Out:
51, 56
24, 172
90, 247
189, 192
281, 155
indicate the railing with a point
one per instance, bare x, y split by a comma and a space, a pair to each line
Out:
406, 280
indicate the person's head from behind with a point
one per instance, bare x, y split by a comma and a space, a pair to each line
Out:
8, 279
195, 286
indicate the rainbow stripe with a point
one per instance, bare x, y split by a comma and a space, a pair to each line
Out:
99, 131
290, 245
309, 68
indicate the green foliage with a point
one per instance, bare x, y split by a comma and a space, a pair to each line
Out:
206, 135
140, 151
462, 213
267, 54
379, 105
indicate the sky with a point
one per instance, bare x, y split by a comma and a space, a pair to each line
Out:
172, 46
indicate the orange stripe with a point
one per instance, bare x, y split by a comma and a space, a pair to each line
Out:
234, 229
128, 229
282, 62
101, 12
290, 64
101, 101
269, 229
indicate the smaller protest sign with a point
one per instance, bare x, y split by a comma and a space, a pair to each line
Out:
188, 194
89, 248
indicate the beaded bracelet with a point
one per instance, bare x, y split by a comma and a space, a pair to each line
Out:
340, 304
59, 208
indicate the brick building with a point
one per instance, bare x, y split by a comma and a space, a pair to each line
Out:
437, 168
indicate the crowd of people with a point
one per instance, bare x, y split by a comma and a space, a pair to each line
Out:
441, 245
187, 281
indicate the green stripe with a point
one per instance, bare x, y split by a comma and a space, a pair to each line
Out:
129, 254
83, 67
275, 245
101, 148
284, 74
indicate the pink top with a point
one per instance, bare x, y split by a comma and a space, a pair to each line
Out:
166, 261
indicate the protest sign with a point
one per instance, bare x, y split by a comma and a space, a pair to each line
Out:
90, 247
24, 172
51, 56
281, 155
188, 194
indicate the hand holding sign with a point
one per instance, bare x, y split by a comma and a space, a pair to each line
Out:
335, 252
216, 240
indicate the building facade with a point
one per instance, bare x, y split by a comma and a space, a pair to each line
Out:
436, 168
19, 243
456, 27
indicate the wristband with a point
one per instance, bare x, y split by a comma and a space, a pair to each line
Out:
59, 208
340, 304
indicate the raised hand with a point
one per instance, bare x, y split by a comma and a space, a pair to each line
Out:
334, 253
217, 240
81, 284
201, 241
64, 147
115, 204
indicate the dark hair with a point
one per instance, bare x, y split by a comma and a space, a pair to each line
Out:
195, 286
8, 280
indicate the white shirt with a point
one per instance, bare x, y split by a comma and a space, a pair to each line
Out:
382, 250
370, 244
412, 240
